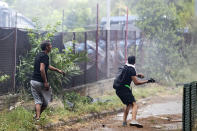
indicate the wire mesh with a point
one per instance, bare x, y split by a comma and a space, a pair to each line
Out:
80, 41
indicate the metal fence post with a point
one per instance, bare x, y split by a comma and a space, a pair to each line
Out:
126, 36
135, 43
85, 64
15, 49
116, 49
73, 42
97, 33
106, 53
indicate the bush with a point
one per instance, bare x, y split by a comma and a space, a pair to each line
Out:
3, 77
65, 61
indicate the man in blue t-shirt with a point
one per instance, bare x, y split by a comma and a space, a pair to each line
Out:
124, 92
40, 88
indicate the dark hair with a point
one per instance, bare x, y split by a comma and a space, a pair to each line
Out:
131, 60
45, 44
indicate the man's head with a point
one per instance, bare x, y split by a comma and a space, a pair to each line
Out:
46, 46
131, 60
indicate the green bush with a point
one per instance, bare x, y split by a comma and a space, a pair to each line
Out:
3, 77
65, 61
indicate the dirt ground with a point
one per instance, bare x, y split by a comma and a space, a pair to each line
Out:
164, 122
108, 124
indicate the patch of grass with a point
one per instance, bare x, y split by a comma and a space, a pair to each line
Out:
18, 119
148, 90
83, 106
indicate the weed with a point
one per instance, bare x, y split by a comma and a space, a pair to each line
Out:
18, 119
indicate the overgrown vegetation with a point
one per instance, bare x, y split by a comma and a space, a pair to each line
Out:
65, 60
18, 119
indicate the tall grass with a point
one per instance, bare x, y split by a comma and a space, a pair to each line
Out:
16, 120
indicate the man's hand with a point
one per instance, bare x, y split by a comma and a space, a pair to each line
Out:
140, 75
57, 70
62, 72
151, 80
46, 86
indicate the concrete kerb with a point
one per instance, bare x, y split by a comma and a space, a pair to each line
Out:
84, 118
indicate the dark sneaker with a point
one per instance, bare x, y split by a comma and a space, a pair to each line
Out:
124, 124
135, 123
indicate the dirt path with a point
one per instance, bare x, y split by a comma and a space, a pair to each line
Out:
156, 113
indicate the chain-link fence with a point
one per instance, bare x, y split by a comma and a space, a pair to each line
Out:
190, 107
15, 42
99, 51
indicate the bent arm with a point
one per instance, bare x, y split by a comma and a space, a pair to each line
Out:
138, 82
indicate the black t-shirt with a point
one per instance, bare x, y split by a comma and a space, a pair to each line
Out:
125, 77
130, 71
40, 58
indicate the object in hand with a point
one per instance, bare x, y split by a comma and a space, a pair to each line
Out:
151, 80
46, 86
64, 74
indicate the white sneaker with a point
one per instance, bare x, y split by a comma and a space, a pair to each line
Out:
135, 123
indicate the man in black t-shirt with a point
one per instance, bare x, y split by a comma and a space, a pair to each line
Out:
124, 92
40, 88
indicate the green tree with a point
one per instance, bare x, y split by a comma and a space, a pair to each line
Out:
163, 27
